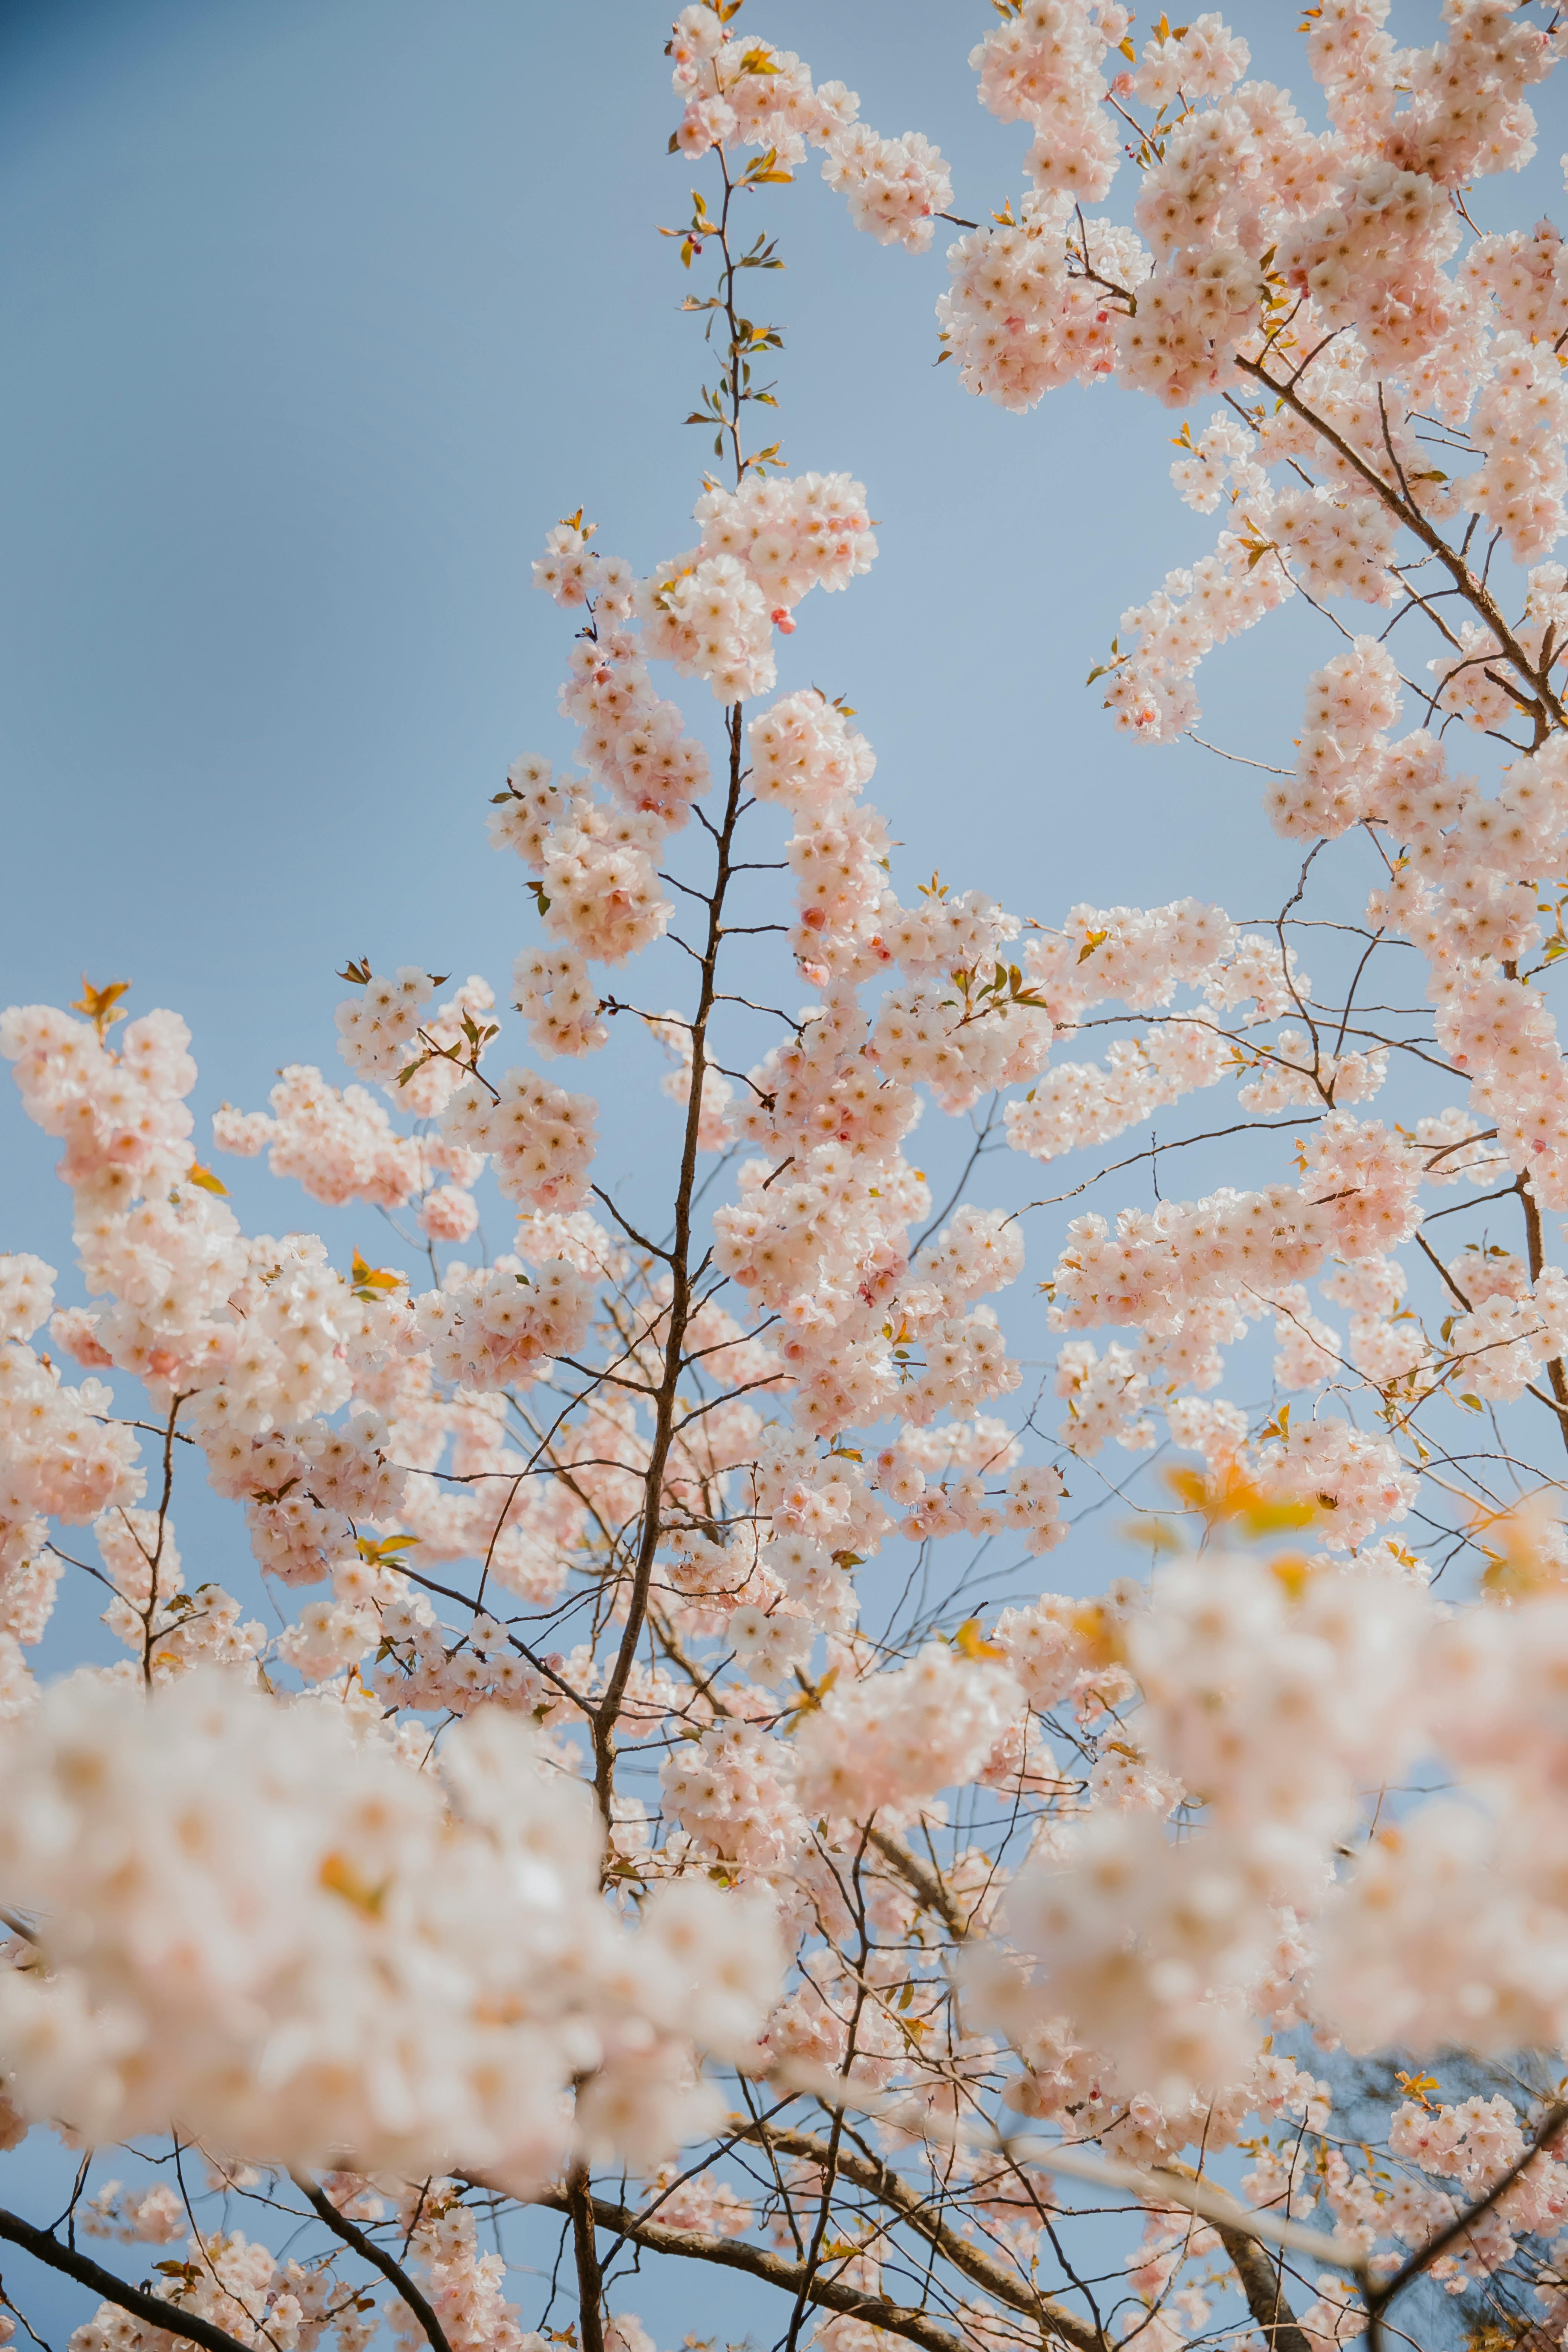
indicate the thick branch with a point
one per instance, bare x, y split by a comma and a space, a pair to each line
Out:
581, 2205
1003, 2284
151, 2310
1535, 1245
604, 1717
1379, 2298
735, 2254
1472, 589
377, 2256
922, 1882
1261, 2284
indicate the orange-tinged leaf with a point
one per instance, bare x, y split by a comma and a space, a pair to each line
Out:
197, 1174
970, 1643
1230, 1493
339, 1876
101, 1005
378, 1550
369, 1281
1099, 1634
1293, 1569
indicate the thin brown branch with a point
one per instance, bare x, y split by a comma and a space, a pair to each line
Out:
776, 2269
1379, 2298
1536, 1247
922, 1882
152, 2310
377, 2256
868, 2172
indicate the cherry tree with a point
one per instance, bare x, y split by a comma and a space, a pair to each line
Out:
577, 1858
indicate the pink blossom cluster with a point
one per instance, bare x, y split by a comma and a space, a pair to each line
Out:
339, 1143
789, 534
234, 2283
595, 1514
489, 1326
740, 91
887, 1742
1045, 66
538, 1137
311, 1892
122, 1116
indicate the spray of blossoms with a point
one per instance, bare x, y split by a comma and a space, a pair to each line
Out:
637, 1785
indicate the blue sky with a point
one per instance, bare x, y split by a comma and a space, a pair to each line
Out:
313, 315
316, 313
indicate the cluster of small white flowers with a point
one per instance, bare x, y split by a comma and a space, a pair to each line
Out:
1351, 702
1031, 1500
1193, 310
632, 740
1247, 1244
169, 1630
1344, 546
707, 616
376, 1028
338, 1144
418, 1058
1524, 273
1467, 114
539, 1139
790, 534
744, 92
420, 1667
888, 1742
747, 92
60, 1457
822, 1500
895, 187
1198, 607
1221, 460
489, 1326
26, 1294
1374, 261
557, 1000
1017, 319
732, 1792
1277, 1709
1044, 65
598, 882
806, 753
122, 1116
1140, 955
1519, 425
572, 574
1461, 1915
231, 2281
1078, 1102
304, 1891
1203, 59
155, 2216
1293, 1071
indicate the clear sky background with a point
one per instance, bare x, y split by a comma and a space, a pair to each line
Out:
314, 314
